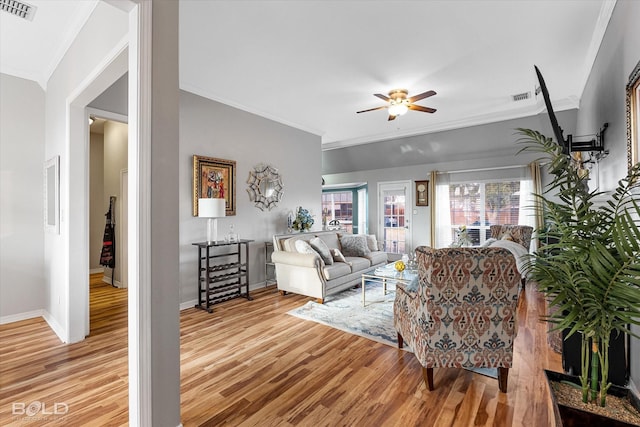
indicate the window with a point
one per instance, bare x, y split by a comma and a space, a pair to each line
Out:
338, 205
477, 205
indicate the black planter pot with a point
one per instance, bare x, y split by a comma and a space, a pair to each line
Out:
618, 357
567, 416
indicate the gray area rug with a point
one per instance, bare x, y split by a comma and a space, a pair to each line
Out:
344, 311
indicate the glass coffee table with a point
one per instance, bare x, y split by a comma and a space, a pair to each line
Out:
387, 274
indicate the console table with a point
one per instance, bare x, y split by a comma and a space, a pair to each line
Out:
222, 272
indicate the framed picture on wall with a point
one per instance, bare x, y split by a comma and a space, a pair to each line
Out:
52, 195
422, 193
214, 178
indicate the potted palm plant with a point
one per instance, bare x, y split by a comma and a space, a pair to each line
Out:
591, 270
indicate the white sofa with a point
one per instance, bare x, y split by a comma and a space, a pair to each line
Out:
308, 274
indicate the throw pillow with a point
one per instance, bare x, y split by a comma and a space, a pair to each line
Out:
337, 256
372, 242
303, 247
321, 247
507, 236
489, 242
354, 245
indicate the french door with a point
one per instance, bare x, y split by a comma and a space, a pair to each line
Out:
394, 216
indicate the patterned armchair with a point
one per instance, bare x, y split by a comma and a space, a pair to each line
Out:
518, 233
461, 313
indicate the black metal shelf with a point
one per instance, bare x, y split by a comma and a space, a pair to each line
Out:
233, 282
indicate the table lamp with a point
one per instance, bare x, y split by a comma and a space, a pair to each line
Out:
212, 209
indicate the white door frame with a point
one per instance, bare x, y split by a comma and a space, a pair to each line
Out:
404, 185
135, 52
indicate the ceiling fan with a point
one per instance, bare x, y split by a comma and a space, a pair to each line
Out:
400, 104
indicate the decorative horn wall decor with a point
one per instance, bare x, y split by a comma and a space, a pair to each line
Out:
265, 186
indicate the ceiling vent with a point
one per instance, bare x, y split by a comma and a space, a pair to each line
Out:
521, 96
19, 9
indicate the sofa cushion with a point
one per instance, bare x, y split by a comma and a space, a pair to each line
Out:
337, 256
303, 247
338, 269
330, 239
358, 263
377, 257
372, 242
289, 244
354, 245
321, 247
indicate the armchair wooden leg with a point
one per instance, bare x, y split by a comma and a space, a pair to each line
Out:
427, 375
400, 341
503, 374
320, 300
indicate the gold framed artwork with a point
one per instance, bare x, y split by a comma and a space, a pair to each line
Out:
633, 117
214, 178
422, 193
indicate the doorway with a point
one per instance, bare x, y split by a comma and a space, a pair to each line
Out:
108, 196
394, 219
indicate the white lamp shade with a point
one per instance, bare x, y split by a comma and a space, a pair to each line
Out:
211, 208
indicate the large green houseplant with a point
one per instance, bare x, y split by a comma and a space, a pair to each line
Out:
590, 267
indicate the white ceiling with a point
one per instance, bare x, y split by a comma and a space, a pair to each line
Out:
313, 64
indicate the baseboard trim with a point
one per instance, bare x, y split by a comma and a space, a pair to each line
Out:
96, 270
116, 283
188, 304
21, 316
55, 326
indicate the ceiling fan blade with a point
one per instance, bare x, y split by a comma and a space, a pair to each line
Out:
391, 118
421, 96
373, 109
421, 108
383, 97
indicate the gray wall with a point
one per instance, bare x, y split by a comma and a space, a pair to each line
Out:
603, 100
22, 274
114, 99
500, 132
468, 144
208, 128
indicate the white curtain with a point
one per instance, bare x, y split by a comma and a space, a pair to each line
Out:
443, 236
527, 209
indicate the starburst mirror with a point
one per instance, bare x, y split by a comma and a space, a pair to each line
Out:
265, 186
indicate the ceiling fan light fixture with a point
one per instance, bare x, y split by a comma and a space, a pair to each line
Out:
398, 109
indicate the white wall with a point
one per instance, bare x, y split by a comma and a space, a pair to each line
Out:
603, 101
22, 281
115, 159
208, 128
103, 36
96, 199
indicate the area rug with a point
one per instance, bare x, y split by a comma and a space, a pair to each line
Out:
344, 311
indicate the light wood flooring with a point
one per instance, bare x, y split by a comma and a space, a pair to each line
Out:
251, 364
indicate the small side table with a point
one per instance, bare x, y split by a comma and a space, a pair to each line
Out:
222, 275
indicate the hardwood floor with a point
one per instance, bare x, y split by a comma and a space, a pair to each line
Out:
251, 364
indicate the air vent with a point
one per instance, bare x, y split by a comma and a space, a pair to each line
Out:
19, 9
521, 96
